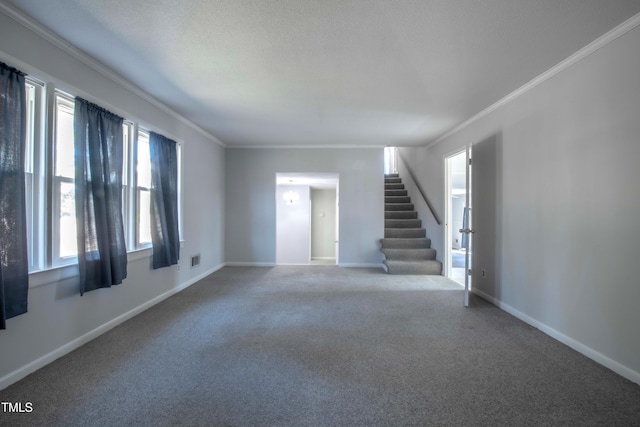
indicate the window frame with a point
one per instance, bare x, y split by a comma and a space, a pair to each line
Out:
56, 182
35, 174
128, 181
179, 155
138, 244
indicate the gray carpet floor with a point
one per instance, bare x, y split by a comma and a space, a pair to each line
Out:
323, 346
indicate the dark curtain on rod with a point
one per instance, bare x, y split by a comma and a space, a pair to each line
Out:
164, 201
102, 253
14, 264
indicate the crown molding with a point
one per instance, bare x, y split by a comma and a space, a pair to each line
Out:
281, 147
34, 26
592, 47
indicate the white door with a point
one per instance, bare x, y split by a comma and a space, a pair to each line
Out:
337, 240
467, 230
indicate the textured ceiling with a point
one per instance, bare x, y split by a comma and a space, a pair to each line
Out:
330, 72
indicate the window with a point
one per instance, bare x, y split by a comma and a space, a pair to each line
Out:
30, 91
64, 242
128, 205
50, 175
143, 193
34, 173
179, 155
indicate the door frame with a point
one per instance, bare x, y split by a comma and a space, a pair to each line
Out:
309, 180
448, 238
334, 239
449, 226
468, 220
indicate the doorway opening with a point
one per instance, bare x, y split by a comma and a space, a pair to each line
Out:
457, 216
307, 218
324, 216
390, 160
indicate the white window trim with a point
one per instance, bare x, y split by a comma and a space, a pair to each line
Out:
128, 179
180, 148
37, 225
55, 260
69, 271
137, 189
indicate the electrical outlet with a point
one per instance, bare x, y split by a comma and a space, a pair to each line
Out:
178, 267
484, 273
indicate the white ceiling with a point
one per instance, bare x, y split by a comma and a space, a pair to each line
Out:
329, 72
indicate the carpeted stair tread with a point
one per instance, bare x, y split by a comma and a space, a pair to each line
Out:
395, 186
391, 175
388, 193
398, 207
399, 243
392, 180
397, 199
401, 215
413, 267
410, 254
402, 223
405, 233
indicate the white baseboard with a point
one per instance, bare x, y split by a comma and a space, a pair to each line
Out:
361, 265
250, 264
293, 264
33, 366
269, 264
592, 354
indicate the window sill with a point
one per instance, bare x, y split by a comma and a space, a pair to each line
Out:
138, 254
53, 274
63, 272
69, 271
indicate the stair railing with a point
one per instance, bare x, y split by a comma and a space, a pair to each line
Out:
420, 189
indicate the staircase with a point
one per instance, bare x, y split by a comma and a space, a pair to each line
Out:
405, 246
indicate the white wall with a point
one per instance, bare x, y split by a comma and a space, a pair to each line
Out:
323, 223
293, 223
59, 319
556, 230
250, 201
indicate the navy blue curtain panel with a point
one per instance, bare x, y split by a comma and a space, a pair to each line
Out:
14, 263
102, 253
164, 201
